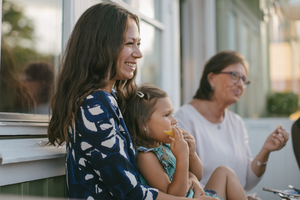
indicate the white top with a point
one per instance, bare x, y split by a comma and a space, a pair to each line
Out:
227, 146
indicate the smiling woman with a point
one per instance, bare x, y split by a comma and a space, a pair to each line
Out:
96, 81
92, 87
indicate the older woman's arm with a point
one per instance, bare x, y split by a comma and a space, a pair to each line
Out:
274, 142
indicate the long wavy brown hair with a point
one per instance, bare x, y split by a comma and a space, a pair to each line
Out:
88, 64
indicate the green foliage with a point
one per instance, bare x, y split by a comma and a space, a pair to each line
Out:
17, 30
282, 104
17, 26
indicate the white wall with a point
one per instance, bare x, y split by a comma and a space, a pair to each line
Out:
282, 169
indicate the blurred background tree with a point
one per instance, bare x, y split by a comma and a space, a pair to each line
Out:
282, 104
18, 34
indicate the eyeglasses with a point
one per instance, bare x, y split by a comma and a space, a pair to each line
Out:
235, 78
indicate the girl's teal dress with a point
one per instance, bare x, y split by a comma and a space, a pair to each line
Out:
168, 161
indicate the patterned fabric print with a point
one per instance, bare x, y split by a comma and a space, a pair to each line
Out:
168, 164
212, 193
167, 160
100, 164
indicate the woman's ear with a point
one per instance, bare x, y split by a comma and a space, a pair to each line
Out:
211, 77
145, 127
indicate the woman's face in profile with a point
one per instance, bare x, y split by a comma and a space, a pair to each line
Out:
225, 88
129, 55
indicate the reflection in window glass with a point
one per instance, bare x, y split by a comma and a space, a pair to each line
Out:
149, 66
30, 51
150, 8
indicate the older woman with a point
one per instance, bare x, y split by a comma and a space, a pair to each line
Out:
220, 134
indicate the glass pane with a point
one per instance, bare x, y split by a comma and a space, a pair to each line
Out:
30, 51
150, 8
149, 66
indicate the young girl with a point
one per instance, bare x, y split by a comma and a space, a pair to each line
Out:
162, 160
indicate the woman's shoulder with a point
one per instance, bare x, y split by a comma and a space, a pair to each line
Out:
100, 105
100, 97
101, 94
234, 119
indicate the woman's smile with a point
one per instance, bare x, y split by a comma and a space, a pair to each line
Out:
237, 92
131, 66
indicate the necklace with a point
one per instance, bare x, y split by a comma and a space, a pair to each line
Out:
211, 113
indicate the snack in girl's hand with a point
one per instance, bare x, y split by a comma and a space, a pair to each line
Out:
170, 133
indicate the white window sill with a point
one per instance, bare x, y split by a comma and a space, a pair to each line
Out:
24, 150
24, 155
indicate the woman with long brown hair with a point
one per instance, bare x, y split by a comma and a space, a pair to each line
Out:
96, 78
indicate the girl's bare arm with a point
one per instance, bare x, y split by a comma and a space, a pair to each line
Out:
155, 176
195, 164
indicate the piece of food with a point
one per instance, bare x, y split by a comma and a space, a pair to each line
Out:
170, 133
279, 126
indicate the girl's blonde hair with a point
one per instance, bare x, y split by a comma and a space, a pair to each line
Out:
138, 112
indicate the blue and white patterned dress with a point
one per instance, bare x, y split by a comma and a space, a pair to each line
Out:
168, 162
100, 164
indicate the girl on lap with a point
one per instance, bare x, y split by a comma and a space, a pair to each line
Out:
166, 162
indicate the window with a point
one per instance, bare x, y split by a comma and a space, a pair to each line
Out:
149, 8
150, 65
31, 43
30, 51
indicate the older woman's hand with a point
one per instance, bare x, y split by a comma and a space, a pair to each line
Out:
276, 140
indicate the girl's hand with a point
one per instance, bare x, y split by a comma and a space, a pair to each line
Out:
194, 185
190, 140
178, 145
276, 140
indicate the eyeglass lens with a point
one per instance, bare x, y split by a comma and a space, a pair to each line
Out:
235, 78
